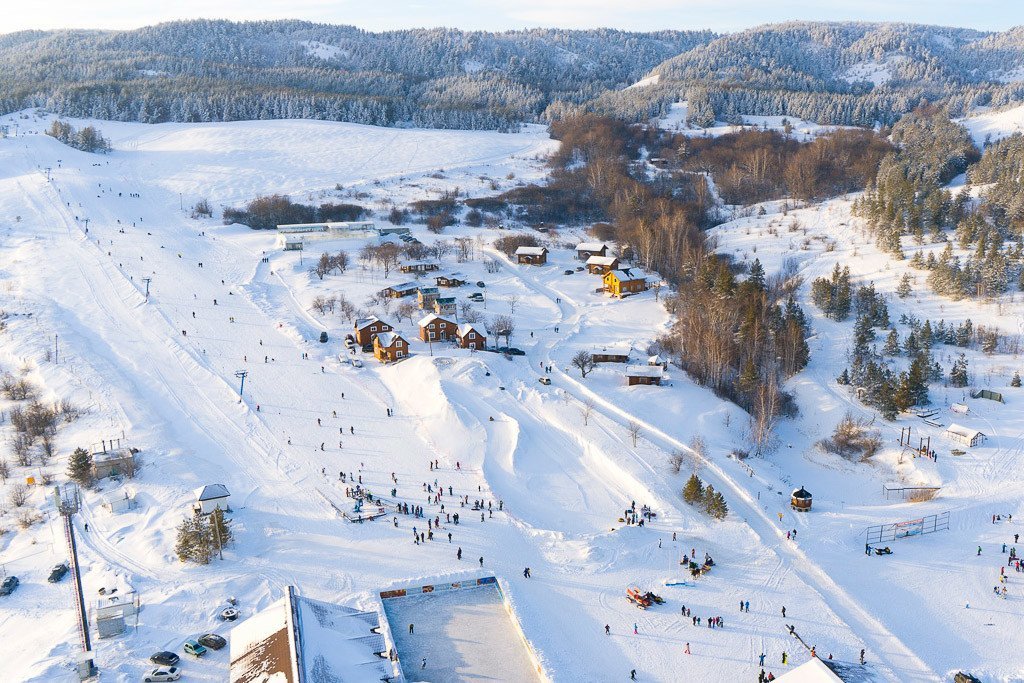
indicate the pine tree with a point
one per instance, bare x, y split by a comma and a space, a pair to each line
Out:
892, 344
693, 491
958, 373
1015, 382
757, 274
80, 467
844, 378
904, 290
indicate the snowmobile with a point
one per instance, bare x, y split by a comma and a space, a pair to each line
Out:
883, 551
654, 598
637, 598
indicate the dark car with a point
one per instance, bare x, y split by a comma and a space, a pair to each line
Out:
58, 572
323, 337
212, 641
164, 658
511, 350
9, 584
570, 271
480, 283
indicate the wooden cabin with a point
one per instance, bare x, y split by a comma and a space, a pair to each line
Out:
419, 267
435, 328
532, 256
450, 280
426, 296
643, 374
389, 347
599, 265
625, 281
611, 354
585, 250
399, 291
368, 328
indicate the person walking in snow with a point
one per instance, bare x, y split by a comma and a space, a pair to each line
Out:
687, 650
785, 658
635, 631
979, 550
783, 611
607, 630
410, 629
481, 561
760, 660
423, 664
526, 573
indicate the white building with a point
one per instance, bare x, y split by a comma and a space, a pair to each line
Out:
964, 436
309, 232
211, 497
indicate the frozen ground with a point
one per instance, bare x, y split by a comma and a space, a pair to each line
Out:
992, 125
463, 635
563, 481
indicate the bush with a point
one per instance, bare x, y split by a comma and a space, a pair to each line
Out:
853, 437
509, 243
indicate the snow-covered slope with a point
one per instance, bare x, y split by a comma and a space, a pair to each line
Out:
989, 126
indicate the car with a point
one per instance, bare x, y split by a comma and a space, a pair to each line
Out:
368, 348
58, 572
356, 363
229, 614
544, 380
569, 271
580, 269
511, 350
9, 584
163, 673
193, 648
323, 337
164, 658
212, 641
480, 283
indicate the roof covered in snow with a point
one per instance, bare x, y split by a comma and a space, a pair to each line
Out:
432, 318
212, 492
404, 287
643, 371
813, 671
531, 251
965, 432
627, 274
591, 246
298, 639
388, 338
366, 322
466, 328
602, 260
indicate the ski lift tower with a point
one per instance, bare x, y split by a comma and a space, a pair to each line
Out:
68, 503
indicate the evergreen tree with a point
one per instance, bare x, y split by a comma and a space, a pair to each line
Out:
80, 467
904, 290
757, 274
1015, 382
958, 373
892, 344
844, 378
693, 491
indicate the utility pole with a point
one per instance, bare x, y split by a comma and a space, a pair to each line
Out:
48, 173
147, 280
56, 358
181, 202
68, 505
241, 374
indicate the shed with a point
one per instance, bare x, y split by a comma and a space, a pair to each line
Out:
800, 500
964, 436
611, 354
112, 462
643, 374
119, 501
211, 497
599, 265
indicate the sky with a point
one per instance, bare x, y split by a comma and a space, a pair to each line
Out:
639, 15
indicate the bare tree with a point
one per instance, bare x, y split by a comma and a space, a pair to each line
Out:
464, 249
503, 326
5, 469
322, 266
676, 460
345, 307
386, 256
512, 302
584, 360
319, 304
633, 427
468, 313
441, 248
47, 450
406, 309
17, 494
587, 410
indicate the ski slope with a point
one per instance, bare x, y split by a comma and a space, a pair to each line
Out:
162, 370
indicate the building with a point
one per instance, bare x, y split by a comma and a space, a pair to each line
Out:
393, 230
585, 250
625, 281
470, 338
211, 497
817, 671
426, 296
113, 462
643, 374
800, 500
964, 436
300, 640
291, 242
419, 266
611, 354
399, 291
435, 328
533, 256
445, 305
658, 361
599, 265
368, 328
389, 347
324, 231
450, 279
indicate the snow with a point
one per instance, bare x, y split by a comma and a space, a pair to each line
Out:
463, 634
653, 79
799, 129
993, 125
323, 50
876, 72
559, 458
814, 671
1013, 75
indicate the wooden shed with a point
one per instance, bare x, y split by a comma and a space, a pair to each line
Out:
800, 500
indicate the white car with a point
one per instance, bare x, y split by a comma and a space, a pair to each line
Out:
163, 673
356, 363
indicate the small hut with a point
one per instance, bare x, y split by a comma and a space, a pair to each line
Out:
800, 500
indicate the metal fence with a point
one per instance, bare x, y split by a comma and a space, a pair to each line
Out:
881, 533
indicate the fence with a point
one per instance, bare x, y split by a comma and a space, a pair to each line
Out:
881, 533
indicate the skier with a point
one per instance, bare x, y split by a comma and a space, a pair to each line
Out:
979, 550
607, 630
632, 674
481, 561
760, 660
458, 554
423, 665
746, 606
783, 611
687, 650
635, 632
785, 658
526, 573
862, 655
